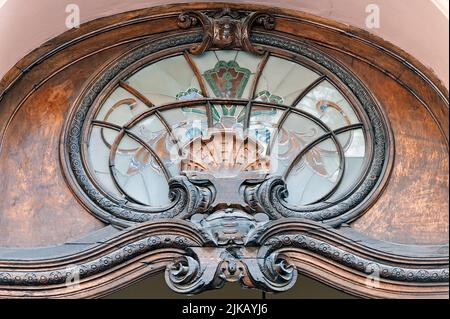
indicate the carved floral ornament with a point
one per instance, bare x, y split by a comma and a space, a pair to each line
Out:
239, 149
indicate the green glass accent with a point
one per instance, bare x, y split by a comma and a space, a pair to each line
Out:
227, 79
266, 96
189, 94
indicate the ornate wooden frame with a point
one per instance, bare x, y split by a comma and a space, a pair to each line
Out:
198, 255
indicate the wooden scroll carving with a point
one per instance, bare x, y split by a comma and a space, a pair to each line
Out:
226, 29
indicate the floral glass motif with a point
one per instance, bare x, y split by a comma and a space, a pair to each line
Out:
266, 96
141, 146
227, 79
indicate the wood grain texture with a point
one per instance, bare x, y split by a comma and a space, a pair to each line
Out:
37, 207
414, 207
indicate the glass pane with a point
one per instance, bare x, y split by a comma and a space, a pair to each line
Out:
228, 116
282, 81
263, 124
166, 81
153, 132
99, 147
296, 133
228, 73
120, 107
139, 175
315, 175
329, 105
186, 124
354, 146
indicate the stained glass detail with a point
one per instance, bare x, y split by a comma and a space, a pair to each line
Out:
167, 125
189, 94
227, 79
285, 79
329, 105
266, 96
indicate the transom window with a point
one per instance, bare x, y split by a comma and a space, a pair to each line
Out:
227, 114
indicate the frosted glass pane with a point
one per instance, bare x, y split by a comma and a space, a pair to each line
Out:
329, 105
263, 124
314, 175
139, 175
152, 131
228, 116
120, 107
296, 133
163, 81
354, 147
149, 129
186, 124
98, 157
228, 73
282, 81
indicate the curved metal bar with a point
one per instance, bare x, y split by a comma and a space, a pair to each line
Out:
112, 157
280, 123
259, 72
132, 102
333, 136
151, 151
248, 115
169, 131
197, 73
341, 171
288, 110
226, 102
209, 114
109, 125
308, 89
136, 93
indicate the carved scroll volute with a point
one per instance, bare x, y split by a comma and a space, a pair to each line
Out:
226, 29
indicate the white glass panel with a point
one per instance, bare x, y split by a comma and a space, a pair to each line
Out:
263, 124
228, 116
354, 146
315, 175
163, 81
186, 124
98, 156
139, 175
153, 132
120, 107
329, 105
296, 133
282, 81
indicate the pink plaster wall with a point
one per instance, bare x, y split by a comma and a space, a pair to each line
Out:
416, 26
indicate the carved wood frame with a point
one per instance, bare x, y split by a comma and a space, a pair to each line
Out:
268, 260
